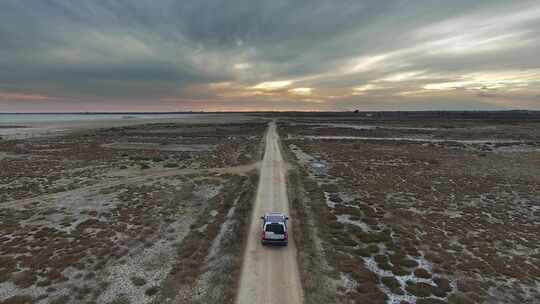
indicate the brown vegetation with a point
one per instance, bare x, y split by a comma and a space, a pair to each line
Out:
406, 206
72, 209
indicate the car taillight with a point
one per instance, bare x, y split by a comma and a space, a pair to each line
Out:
262, 236
286, 235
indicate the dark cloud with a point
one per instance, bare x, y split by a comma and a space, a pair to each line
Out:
126, 50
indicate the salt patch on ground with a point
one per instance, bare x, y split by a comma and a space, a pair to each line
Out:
317, 166
347, 282
153, 264
372, 265
10, 156
414, 139
8, 290
74, 207
25, 133
301, 155
453, 213
207, 192
329, 202
345, 219
370, 127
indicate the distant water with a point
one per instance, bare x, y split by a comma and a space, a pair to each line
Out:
47, 118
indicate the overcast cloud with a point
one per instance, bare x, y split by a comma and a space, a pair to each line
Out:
64, 55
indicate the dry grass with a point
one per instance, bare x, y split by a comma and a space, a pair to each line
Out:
194, 248
311, 260
69, 249
225, 271
18, 300
442, 204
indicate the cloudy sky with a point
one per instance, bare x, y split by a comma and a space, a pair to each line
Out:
215, 55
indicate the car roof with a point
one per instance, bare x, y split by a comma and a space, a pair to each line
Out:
274, 217
274, 213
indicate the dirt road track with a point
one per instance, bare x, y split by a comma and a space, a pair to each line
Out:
270, 274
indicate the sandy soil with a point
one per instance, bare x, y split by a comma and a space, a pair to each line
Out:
270, 275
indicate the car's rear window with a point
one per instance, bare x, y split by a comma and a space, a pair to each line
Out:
275, 228
274, 218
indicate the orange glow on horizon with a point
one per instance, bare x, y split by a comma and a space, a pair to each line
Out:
24, 96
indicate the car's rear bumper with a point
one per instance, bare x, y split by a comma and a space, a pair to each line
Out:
274, 242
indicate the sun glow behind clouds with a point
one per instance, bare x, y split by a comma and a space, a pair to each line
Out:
273, 85
507, 80
364, 64
301, 91
361, 90
242, 66
405, 76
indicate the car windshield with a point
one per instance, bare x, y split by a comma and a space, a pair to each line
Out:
275, 228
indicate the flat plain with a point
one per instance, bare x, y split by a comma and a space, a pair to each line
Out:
131, 214
422, 209
426, 207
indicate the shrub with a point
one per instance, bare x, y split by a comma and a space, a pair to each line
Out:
138, 281
400, 260
61, 300
393, 284
385, 266
430, 301
364, 252
372, 248
375, 237
422, 273
151, 291
24, 279
443, 287
409, 263
459, 298
400, 271
381, 259
363, 275
120, 300
19, 300
170, 165
419, 289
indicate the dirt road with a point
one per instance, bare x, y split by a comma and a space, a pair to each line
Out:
270, 274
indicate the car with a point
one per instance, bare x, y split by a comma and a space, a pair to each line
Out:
274, 229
